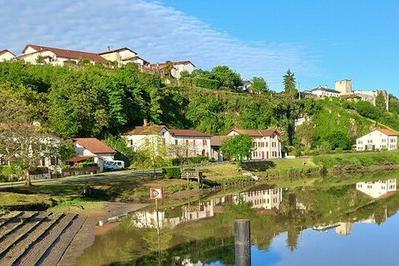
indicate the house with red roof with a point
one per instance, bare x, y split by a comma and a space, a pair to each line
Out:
266, 142
92, 149
57, 56
123, 56
190, 141
378, 139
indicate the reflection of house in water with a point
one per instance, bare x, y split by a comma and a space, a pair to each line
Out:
344, 228
377, 189
262, 199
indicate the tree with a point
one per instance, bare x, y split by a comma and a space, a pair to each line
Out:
305, 134
22, 142
227, 77
153, 154
259, 85
290, 84
380, 101
338, 140
237, 147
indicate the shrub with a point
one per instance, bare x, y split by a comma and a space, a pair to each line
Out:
190, 160
206, 83
172, 172
257, 165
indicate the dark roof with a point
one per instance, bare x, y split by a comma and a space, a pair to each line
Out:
117, 50
325, 89
187, 133
6, 51
147, 130
78, 159
257, 133
217, 140
173, 63
94, 145
70, 54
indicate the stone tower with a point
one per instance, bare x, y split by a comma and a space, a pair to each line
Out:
344, 86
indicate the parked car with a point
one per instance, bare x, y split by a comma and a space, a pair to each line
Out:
114, 165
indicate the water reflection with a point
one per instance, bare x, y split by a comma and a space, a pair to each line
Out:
266, 199
297, 226
377, 189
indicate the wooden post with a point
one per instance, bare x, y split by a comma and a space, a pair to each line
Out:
242, 242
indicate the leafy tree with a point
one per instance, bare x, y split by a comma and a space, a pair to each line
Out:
338, 140
393, 104
368, 110
153, 154
290, 84
305, 134
380, 101
237, 147
227, 77
259, 85
124, 152
22, 143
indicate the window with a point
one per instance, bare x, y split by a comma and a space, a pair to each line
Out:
370, 141
267, 144
204, 142
176, 142
273, 144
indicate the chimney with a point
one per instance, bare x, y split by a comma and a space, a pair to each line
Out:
145, 122
109, 48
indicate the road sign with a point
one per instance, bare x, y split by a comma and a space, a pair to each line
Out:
156, 193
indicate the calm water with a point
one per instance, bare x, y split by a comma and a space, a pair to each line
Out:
353, 224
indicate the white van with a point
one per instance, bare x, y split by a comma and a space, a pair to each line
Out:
114, 165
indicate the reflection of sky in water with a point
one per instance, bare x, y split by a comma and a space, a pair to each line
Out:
369, 244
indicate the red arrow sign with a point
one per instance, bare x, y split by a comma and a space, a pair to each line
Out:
156, 193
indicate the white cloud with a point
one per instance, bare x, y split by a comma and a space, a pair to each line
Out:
154, 30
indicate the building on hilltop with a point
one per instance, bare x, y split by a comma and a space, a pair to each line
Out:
344, 86
173, 68
378, 139
325, 92
6, 55
123, 56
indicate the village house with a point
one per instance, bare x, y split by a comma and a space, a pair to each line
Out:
377, 189
6, 55
123, 56
92, 149
325, 92
187, 142
378, 139
266, 143
177, 67
216, 143
35, 54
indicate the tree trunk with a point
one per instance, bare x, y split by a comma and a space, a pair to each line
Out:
28, 180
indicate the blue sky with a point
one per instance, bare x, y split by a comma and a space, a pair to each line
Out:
321, 41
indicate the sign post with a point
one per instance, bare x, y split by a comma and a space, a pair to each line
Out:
156, 194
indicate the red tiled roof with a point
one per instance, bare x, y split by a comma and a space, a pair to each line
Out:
388, 132
187, 133
256, 132
70, 54
6, 51
94, 145
146, 130
217, 140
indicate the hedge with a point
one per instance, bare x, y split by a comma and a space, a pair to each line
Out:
172, 172
206, 83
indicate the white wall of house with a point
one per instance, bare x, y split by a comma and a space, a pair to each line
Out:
197, 145
378, 188
6, 56
376, 140
262, 199
136, 142
99, 159
180, 67
120, 56
264, 147
324, 93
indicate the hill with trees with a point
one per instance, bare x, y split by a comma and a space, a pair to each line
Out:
92, 100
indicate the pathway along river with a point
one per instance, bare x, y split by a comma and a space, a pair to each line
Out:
353, 224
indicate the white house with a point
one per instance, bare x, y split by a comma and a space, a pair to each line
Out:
266, 142
92, 149
192, 142
177, 68
6, 55
57, 56
377, 189
378, 139
124, 56
262, 199
325, 92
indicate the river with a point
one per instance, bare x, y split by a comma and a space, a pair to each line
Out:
355, 224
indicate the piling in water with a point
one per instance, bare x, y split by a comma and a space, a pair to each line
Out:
242, 232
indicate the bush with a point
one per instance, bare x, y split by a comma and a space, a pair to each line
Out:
190, 160
206, 83
172, 172
176, 188
257, 165
86, 164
